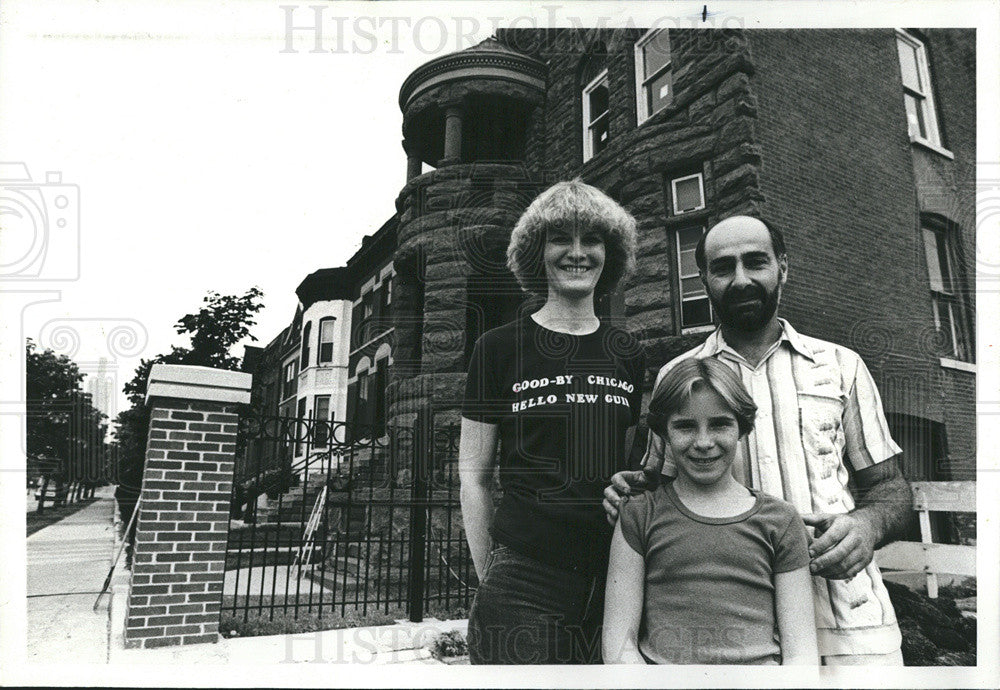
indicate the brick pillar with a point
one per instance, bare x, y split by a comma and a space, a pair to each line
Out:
179, 555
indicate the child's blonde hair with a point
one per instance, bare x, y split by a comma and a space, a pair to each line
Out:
689, 375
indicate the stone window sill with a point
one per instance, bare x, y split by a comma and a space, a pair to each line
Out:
948, 363
697, 329
923, 143
370, 341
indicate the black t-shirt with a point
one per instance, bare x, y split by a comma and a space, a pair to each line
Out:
563, 404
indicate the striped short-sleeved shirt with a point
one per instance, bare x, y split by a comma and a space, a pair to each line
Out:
817, 409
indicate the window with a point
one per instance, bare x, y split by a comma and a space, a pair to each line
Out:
653, 74
361, 408
917, 95
596, 103
946, 294
378, 398
306, 337
326, 334
385, 299
377, 309
695, 307
289, 383
687, 194
367, 304
300, 416
321, 420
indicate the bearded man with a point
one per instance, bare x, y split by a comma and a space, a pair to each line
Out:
819, 421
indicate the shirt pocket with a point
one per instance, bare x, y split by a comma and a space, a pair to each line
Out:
822, 431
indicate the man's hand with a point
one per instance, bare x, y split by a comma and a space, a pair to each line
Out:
623, 485
844, 544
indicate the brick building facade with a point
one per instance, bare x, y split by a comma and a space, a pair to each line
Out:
859, 144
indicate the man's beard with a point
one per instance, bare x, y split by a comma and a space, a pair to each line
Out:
746, 317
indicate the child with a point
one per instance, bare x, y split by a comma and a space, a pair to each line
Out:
702, 569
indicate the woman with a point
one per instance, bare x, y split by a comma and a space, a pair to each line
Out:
560, 391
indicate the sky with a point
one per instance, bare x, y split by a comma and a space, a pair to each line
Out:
205, 155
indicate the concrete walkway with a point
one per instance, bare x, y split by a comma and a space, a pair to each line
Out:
66, 566
402, 643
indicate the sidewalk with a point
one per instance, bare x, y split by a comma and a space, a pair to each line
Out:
402, 643
66, 566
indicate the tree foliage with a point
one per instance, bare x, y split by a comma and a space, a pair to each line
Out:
222, 321
64, 431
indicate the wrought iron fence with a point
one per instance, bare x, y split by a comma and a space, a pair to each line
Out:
329, 520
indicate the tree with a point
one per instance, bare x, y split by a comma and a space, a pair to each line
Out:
65, 432
222, 321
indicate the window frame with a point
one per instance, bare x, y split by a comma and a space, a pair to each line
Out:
321, 426
320, 359
679, 284
289, 381
587, 121
642, 80
301, 424
673, 193
924, 98
306, 337
949, 294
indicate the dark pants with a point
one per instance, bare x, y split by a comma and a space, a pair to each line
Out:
527, 612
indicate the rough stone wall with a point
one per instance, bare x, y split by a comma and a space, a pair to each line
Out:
709, 128
455, 222
807, 127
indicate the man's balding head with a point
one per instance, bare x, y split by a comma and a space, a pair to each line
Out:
738, 223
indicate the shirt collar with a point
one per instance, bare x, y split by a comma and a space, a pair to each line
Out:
716, 344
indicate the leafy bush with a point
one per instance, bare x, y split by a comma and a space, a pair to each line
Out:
258, 624
448, 644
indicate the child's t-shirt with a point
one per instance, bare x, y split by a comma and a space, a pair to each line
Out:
709, 589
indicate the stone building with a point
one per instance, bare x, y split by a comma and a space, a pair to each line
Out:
859, 144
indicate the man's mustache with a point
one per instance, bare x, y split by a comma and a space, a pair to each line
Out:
731, 296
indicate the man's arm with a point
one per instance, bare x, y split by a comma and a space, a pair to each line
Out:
846, 543
885, 500
476, 459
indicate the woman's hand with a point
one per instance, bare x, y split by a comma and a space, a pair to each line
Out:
476, 459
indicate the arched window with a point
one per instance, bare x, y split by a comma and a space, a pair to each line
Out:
306, 337
377, 397
326, 334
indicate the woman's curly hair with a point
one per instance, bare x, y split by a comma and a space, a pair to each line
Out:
568, 206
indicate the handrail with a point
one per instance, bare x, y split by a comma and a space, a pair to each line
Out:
309, 536
925, 556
